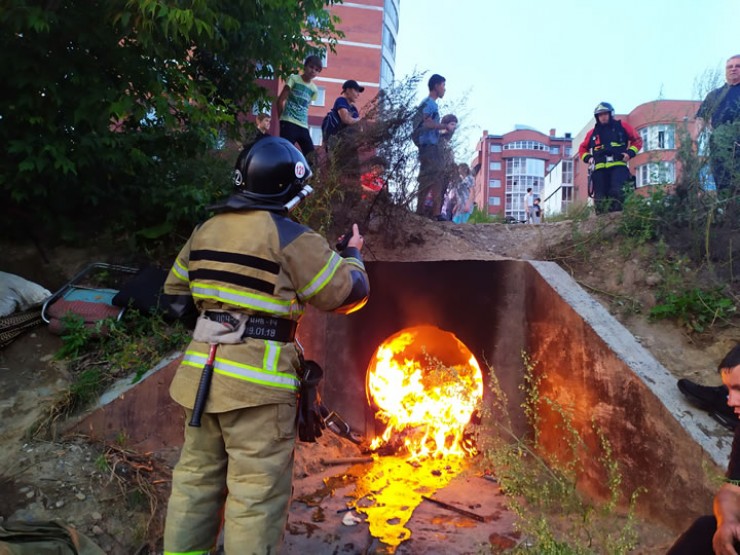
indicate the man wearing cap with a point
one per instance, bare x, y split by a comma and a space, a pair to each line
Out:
343, 144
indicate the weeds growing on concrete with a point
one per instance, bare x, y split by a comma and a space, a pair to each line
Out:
553, 516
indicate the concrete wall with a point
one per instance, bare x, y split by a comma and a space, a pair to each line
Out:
596, 366
591, 363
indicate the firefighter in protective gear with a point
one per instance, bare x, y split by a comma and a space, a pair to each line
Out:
254, 268
610, 145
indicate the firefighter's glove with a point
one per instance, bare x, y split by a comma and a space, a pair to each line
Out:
310, 421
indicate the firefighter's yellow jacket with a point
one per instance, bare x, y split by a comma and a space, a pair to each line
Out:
259, 263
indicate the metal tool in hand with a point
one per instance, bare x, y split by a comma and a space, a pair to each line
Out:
341, 245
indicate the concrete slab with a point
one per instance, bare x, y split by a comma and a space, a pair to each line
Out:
710, 435
141, 414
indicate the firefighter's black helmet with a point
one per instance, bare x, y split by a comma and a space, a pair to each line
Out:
603, 107
272, 171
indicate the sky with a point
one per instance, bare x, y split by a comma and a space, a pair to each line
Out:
547, 64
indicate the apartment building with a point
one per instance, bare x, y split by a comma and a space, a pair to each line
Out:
367, 54
505, 166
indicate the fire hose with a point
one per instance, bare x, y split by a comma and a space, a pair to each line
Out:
591, 180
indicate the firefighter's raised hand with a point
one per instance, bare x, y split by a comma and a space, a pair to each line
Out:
356, 241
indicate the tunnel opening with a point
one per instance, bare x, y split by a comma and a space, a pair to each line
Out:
424, 385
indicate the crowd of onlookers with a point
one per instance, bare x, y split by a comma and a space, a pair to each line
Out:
445, 188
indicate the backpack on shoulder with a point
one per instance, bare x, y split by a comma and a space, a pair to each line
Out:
417, 122
330, 125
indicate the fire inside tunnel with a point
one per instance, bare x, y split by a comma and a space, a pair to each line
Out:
487, 313
499, 311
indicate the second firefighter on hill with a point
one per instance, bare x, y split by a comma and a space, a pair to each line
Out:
610, 145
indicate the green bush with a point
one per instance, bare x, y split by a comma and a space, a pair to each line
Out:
642, 214
695, 308
111, 350
480, 217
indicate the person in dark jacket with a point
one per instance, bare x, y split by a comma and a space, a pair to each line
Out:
721, 109
343, 145
262, 122
720, 534
609, 145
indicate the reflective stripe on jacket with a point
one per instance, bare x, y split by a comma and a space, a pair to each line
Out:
610, 140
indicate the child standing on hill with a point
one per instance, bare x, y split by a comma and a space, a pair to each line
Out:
292, 105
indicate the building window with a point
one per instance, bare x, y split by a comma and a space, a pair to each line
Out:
320, 97
567, 193
495, 148
568, 150
521, 174
567, 166
525, 166
387, 75
391, 13
658, 137
315, 132
261, 107
526, 145
495, 166
389, 42
644, 136
318, 20
321, 53
656, 173
555, 150
494, 183
494, 201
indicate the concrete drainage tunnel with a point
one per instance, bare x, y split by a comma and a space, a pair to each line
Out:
490, 313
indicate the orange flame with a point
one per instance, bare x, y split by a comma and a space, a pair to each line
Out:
426, 385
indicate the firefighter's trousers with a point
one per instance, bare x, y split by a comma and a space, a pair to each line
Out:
609, 188
243, 458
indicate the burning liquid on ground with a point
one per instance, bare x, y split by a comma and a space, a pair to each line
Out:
389, 490
425, 385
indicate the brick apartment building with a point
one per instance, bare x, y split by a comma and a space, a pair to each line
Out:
367, 54
505, 166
